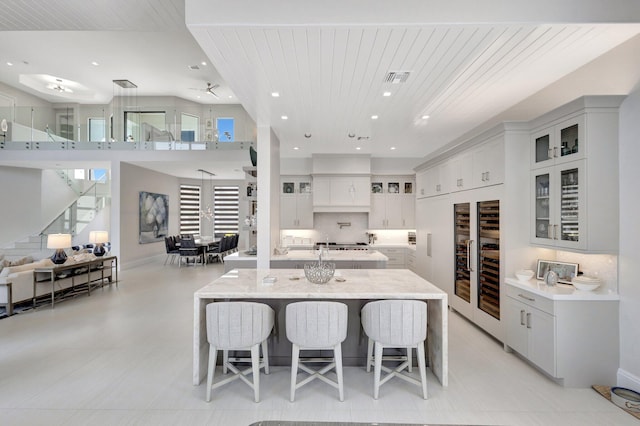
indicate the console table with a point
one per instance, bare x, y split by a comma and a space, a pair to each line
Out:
95, 273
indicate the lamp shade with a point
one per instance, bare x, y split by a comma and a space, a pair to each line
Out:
96, 237
58, 241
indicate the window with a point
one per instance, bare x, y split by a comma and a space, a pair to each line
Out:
99, 175
134, 122
225, 129
97, 129
226, 204
189, 209
189, 128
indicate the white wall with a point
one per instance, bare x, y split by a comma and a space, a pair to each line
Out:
20, 194
134, 179
629, 258
56, 196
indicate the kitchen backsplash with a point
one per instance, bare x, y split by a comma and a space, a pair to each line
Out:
327, 225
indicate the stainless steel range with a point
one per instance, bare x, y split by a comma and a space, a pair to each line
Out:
342, 246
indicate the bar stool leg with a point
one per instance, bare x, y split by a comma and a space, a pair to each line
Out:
213, 354
409, 360
255, 366
265, 356
423, 369
369, 354
295, 359
337, 356
377, 369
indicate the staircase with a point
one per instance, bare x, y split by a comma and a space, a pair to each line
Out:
73, 220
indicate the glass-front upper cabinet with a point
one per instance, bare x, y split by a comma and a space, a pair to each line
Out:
558, 144
558, 207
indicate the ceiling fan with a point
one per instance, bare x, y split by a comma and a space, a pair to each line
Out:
210, 90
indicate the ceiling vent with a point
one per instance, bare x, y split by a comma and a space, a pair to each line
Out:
194, 67
395, 77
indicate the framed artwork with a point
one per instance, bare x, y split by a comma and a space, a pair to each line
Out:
376, 187
305, 187
393, 188
408, 187
288, 187
566, 271
154, 217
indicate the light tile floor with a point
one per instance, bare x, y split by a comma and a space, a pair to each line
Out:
123, 357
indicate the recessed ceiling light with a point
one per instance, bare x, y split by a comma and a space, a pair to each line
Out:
296, 148
94, 63
424, 117
358, 148
198, 96
230, 97
392, 148
284, 117
10, 64
386, 94
275, 94
203, 63
374, 117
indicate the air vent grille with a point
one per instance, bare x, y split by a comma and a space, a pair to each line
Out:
194, 67
395, 77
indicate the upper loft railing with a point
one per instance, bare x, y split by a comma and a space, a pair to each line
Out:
103, 128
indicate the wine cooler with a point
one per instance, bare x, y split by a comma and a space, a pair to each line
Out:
476, 292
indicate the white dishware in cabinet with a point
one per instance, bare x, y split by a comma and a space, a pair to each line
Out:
559, 144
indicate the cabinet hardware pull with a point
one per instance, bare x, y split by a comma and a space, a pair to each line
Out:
469, 242
530, 299
555, 232
550, 154
555, 152
421, 191
528, 320
487, 176
521, 316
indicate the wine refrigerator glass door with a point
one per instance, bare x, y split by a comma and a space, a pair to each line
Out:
463, 243
489, 257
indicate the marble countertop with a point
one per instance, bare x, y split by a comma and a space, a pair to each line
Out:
291, 283
332, 255
562, 291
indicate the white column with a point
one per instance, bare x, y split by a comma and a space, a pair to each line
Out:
268, 195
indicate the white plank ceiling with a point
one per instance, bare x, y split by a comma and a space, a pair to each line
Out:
331, 79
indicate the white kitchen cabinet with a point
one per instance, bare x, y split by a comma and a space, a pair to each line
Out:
296, 202
574, 183
559, 206
434, 242
411, 260
531, 333
341, 193
433, 181
488, 163
559, 143
573, 339
396, 256
392, 203
461, 167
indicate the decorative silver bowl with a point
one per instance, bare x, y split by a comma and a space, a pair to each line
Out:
319, 273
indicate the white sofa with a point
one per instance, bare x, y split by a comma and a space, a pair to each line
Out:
17, 282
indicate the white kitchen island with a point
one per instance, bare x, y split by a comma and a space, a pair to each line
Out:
359, 286
295, 259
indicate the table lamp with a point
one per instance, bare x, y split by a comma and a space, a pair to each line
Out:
99, 238
59, 242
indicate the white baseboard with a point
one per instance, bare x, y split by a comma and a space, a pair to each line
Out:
628, 380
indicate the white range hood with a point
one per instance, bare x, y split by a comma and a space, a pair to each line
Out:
341, 183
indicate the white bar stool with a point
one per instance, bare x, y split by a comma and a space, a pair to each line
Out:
238, 326
396, 324
313, 326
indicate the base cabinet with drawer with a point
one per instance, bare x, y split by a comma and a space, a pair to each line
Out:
573, 337
396, 256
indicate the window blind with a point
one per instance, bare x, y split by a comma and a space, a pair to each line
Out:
189, 209
226, 201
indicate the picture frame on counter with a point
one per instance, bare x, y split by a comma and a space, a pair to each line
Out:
565, 270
